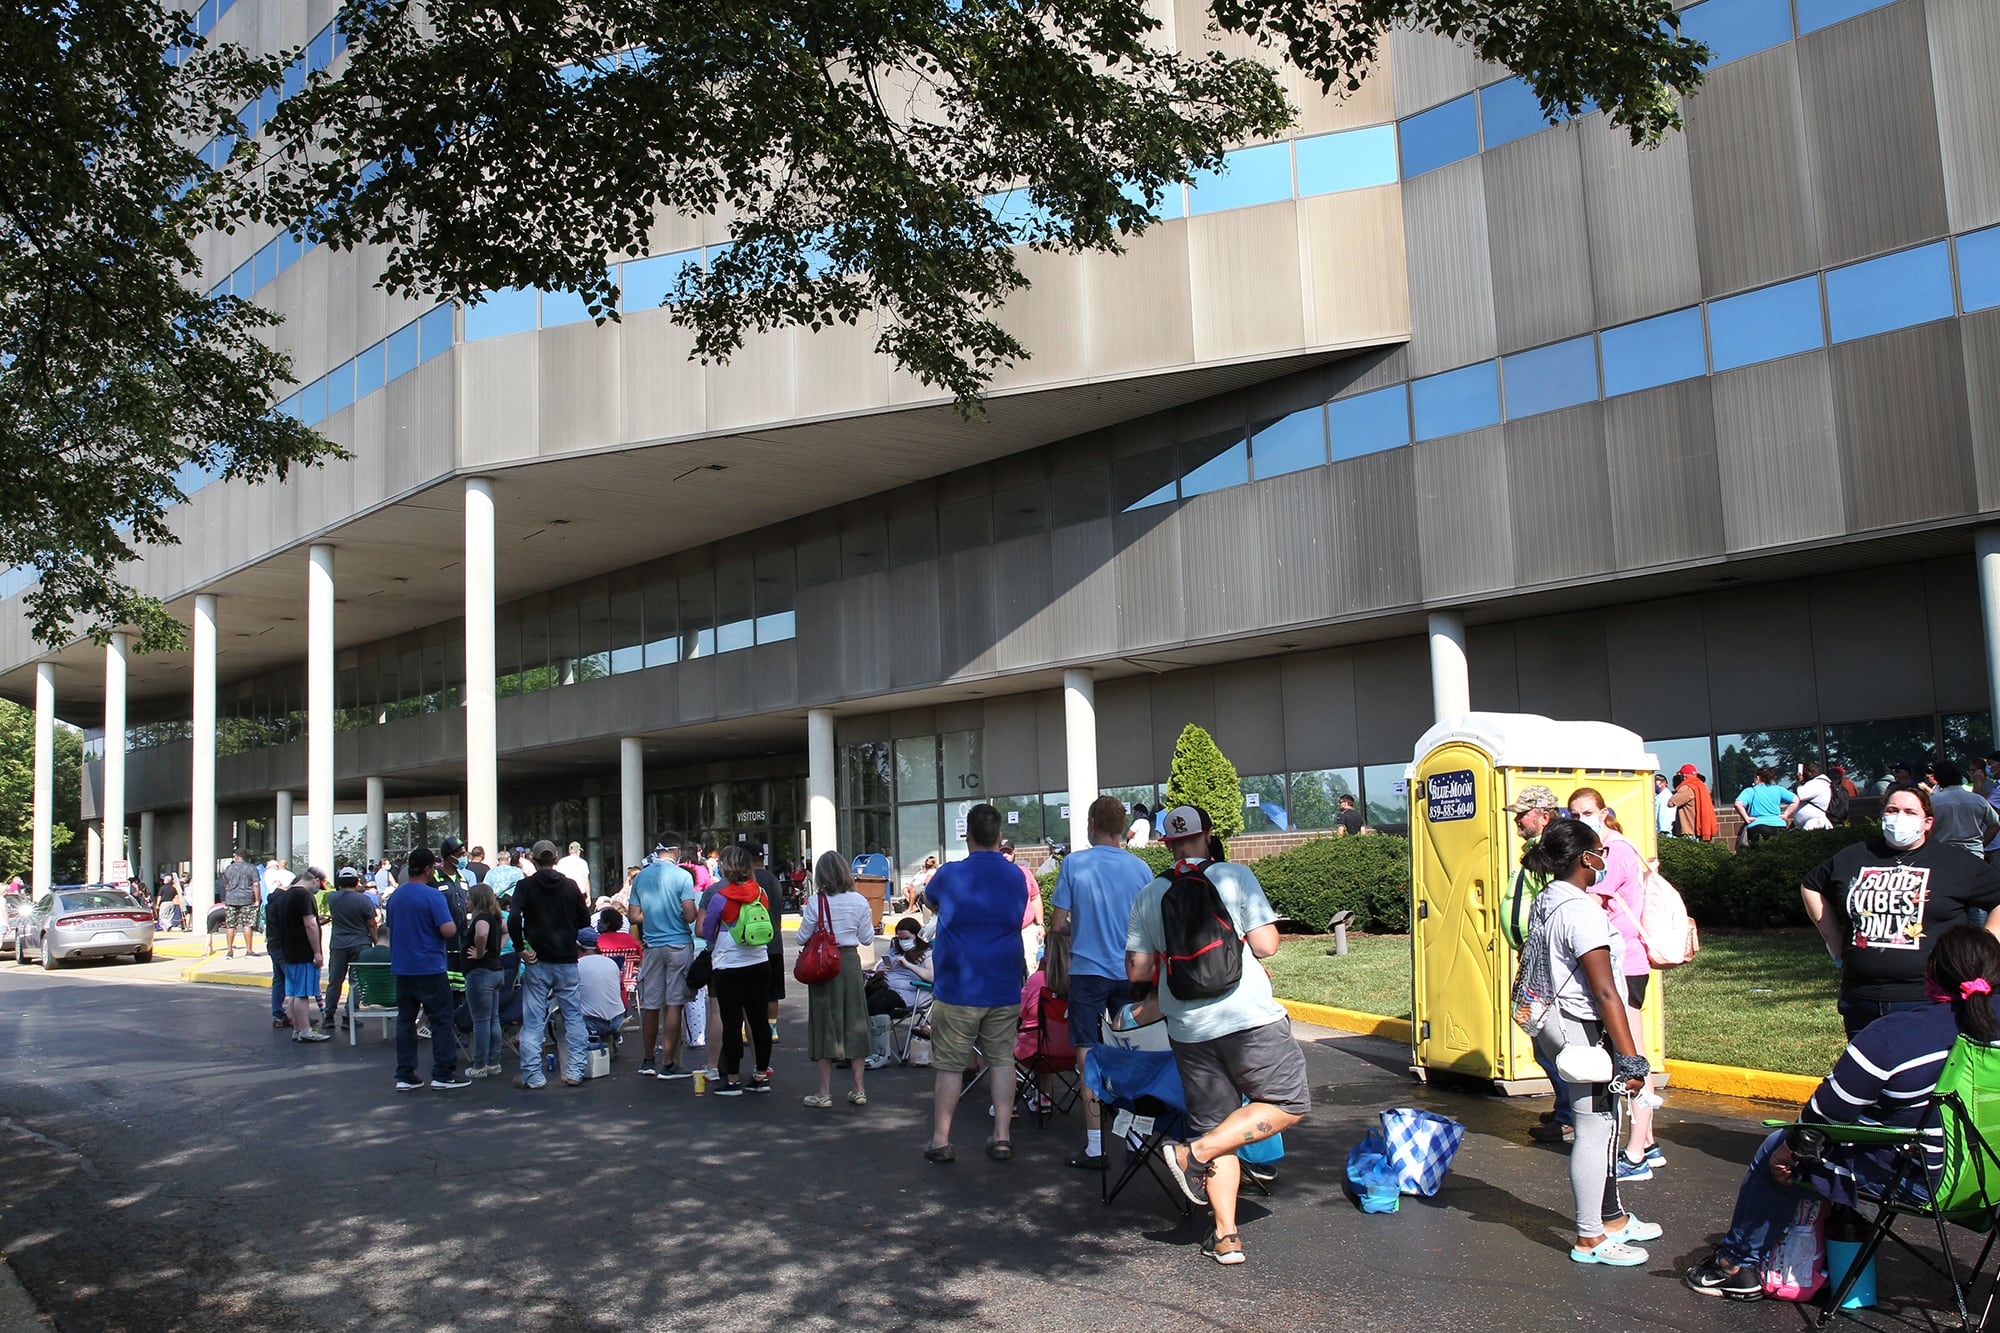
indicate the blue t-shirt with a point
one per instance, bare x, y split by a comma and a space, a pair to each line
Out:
658, 892
1766, 802
1097, 887
416, 910
502, 879
980, 903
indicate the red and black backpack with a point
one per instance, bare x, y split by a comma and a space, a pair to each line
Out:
1203, 953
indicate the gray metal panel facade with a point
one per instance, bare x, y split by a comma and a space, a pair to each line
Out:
1559, 495
1536, 227
1666, 489
1779, 453
1644, 257
1755, 211
1451, 270
1965, 52
1464, 525
1981, 336
1905, 441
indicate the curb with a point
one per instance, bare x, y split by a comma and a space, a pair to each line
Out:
196, 973
1762, 1085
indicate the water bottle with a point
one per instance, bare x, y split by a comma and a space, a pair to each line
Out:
1845, 1233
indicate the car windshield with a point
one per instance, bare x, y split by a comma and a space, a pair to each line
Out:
95, 900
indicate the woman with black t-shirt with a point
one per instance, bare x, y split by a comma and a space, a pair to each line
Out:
1880, 904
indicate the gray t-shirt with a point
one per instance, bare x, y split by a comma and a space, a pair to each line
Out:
1577, 924
351, 911
1250, 1005
239, 884
1962, 818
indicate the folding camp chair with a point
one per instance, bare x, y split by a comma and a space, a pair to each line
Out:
1147, 1083
371, 993
1044, 1057
1966, 1190
903, 1028
628, 966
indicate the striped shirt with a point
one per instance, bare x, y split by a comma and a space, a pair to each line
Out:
1886, 1077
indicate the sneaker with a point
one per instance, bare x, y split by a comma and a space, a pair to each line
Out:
730, 1090
476, 1071
451, 1081
818, 1101
1190, 1175
1654, 1157
1552, 1133
877, 1062
1629, 1170
1637, 1231
493, 1071
674, 1071
761, 1083
1710, 1278
1223, 1249
403, 1085
647, 1071
1613, 1252
312, 1034
1264, 1173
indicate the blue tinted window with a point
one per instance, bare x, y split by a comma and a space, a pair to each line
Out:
434, 332
264, 267
1892, 292
1732, 29
1763, 326
205, 17
320, 53
648, 282
1509, 111
339, 387
312, 403
563, 308
1549, 378
777, 626
1289, 444
288, 250
1458, 400
339, 39
368, 372
267, 105
1211, 465
1250, 176
509, 310
1172, 205
734, 635
402, 348
1368, 423
243, 282
289, 408
295, 78
1442, 134
1354, 160
1653, 351
1979, 269
1817, 14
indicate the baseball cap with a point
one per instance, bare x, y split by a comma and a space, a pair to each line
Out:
1536, 797
545, 848
586, 938
1183, 821
1687, 770
346, 877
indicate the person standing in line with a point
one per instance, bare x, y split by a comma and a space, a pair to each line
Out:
1242, 1071
577, 869
1663, 813
476, 869
1694, 808
242, 892
450, 882
1959, 816
1814, 803
292, 920
1348, 823
663, 905
1141, 831
353, 918
1534, 808
1764, 806
503, 877
977, 984
740, 972
1031, 916
548, 910
774, 894
420, 928
1095, 890
486, 929
385, 880
837, 1009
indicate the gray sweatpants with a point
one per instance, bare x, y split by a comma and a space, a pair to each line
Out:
1593, 1161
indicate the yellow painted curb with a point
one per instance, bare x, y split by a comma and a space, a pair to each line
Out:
196, 973
1349, 1020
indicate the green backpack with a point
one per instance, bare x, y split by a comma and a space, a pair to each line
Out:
1515, 903
753, 925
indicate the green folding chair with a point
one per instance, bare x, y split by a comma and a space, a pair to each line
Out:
371, 993
1966, 1192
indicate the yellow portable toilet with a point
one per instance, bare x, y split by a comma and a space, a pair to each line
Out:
1464, 851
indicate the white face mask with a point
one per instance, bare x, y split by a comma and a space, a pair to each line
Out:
1902, 830
1595, 820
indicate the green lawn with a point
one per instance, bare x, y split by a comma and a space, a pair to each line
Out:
1763, 1000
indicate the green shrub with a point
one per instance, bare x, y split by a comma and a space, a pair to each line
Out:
1700, 870
1204, 778
1369, 876
1758, 887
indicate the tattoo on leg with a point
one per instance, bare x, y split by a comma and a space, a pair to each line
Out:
1261, 1131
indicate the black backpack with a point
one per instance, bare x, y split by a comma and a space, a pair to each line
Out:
1203, 952
1836, 802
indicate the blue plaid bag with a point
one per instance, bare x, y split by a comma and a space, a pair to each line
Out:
1421, 1145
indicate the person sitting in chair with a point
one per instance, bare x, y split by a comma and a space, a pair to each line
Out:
893, 988
600, 987
1885, 1077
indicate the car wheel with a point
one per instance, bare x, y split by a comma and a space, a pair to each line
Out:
143, 956
20, 951
49, 963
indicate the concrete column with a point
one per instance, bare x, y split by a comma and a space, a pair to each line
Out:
143, 872
820, 818
201, 790
281, 829
634, 837
1986, 550
1451, 680
378, 823
319, 706
482, 773
93, 854
593, 844
1080, 737
41, 873
113, 808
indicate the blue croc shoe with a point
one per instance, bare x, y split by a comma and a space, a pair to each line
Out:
1607, 1251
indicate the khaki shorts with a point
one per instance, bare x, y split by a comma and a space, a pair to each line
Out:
663, 976
957, 1028
241, 918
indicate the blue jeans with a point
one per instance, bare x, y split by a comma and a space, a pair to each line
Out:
605, 1028
1764, 1208
432, 994
482, 996
542, 983
1858, 1014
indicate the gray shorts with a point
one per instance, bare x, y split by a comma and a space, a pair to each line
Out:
663, 975
1263, 1064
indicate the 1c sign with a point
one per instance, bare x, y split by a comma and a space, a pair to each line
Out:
1449, 796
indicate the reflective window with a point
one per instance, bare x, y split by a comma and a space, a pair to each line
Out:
1508, 111
864, 774
294, 79
1817, 14
1892, 292
1265, 805
1442, 134
697, 615
510, 310
340, 387
966, 525
1171, 204
1732, 29
1142, 480
864, 548
648, 282
1684, 750
288, 250
1017, 211
1367, 423
369, 372
434, 332
777, 626
1765, 325
1653, 351
402, 349
1020, 819
1547, 378
734, 634
1738, 757
560, 308
243, 283
628, 639
1458, 400
1387, 796
1079, 495
662, 622
312, 403
320, 53
1289, 444
1316, 795
1979, 270
1214, 463
1967, 734
1353, 160
1870, 751
777, 581
735, 619
264, 267
1259, 175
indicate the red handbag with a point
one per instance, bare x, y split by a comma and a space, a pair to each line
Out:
819, 957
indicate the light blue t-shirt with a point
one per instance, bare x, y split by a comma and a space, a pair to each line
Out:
1766, 802
502, 879
658, 892
1250, 1005
1097, 887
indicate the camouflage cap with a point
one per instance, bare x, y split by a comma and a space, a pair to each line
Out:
1536, 797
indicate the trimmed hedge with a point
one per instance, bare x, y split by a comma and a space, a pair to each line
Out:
1758, 887
1368, 875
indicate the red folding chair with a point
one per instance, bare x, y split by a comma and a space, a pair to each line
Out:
628, 965
1046, 1079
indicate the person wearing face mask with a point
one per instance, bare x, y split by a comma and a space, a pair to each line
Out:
1880, 904
905, 969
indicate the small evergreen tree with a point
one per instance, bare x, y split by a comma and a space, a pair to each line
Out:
1203, 777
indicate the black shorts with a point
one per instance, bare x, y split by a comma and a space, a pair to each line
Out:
1635, 990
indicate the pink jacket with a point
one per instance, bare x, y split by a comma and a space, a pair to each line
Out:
1625, 871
